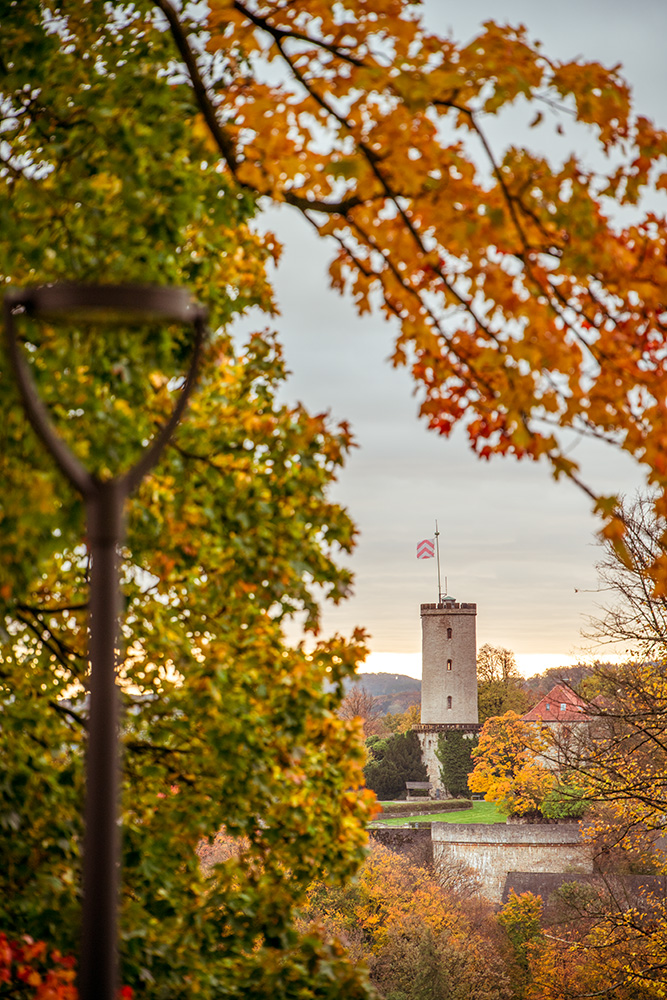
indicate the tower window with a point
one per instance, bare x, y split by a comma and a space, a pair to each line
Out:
449, 701
449, 633
449, 664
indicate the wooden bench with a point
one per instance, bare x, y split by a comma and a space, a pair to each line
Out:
417, 786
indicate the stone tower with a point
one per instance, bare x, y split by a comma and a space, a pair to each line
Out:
449, 676
449, 663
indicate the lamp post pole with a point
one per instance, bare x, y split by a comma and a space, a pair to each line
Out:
101, 845
104, 501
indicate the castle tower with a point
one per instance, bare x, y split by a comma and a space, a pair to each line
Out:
449, 664
449, 677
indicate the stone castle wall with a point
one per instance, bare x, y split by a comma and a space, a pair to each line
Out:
428, 741
415, 844
494, 851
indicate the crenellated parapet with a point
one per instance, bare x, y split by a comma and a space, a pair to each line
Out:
443, 727
445, 605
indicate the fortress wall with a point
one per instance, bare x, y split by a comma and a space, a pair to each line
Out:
494, 851
428, 742
414, 843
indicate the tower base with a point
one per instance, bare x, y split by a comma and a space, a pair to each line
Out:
427, 733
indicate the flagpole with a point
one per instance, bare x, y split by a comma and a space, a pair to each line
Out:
437, 549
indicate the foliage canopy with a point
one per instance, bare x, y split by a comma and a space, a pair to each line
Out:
420, 942
231, 536
507, 769
522, 304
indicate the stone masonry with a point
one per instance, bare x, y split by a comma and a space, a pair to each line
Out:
428, 741
449, 678
449, 663
494, 851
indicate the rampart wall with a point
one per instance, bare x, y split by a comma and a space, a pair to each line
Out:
428, 741
414, 843
494, 850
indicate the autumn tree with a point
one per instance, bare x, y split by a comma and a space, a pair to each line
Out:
499, 683
522, 305
401, 722
620, 771
495, 664
359, 703
601, 937
521, 919
625, 762
28, 969
418, 941
529, 771
105, 180
604, 937
508, 769
634, 613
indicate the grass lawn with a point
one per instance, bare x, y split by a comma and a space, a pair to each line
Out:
481, 812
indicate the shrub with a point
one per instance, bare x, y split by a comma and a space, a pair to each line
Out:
454, 751
401, 761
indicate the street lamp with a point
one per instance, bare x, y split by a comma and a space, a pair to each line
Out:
104, 502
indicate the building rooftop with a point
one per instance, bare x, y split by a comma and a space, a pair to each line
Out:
559, 705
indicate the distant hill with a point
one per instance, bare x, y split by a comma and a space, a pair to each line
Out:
392, 693
398, 702
380, 684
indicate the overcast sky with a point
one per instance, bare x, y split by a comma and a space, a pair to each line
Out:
513, 541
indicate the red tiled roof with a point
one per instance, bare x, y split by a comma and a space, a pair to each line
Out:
560, 705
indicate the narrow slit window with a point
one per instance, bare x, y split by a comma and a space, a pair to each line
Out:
449, 633
449, 701
449, 664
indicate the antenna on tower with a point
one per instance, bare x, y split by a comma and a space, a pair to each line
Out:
437, 549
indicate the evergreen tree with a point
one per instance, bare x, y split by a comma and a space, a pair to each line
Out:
454, 751
393, 762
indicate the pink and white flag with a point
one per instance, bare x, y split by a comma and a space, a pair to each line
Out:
426, 548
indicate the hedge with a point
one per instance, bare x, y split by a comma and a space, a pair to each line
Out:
416, 808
